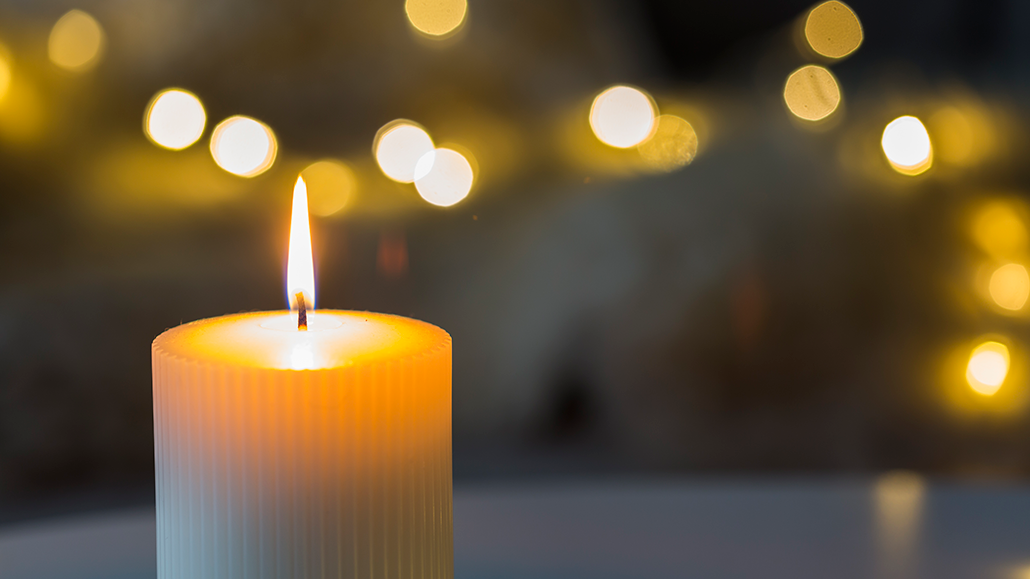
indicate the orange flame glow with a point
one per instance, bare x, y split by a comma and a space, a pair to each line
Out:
300, 270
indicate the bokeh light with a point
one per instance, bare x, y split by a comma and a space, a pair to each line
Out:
623, 116
907, 145
6, 72
999, 230
243, 146
398, 146
964, 132
987, 368
437, 18
812, 93
330, 186
954, 135
443, 177
76, 41
175, 119
1010, 286
673, 144
833, 30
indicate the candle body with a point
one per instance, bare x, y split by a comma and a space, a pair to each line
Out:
341, 468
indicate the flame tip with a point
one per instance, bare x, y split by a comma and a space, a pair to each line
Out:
300, 273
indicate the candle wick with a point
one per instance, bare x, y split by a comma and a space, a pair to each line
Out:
302, 312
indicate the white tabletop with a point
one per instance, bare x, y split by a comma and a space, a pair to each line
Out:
711, 529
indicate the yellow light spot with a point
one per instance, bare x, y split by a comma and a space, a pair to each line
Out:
436, 17
330, 185
907, 145
76, 41
175, 119
300, 268
832, 30
954, 134
999, 230
673, 144
811, 93
5, 72
243, 146
623, 116
1010, 286
987, 368
398, 146
443, 177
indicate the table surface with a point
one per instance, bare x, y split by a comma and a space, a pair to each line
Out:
894, 527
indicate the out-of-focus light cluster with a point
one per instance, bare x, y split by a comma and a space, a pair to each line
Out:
398, 146
76, 42
624, 117
330, 186
907, 146
987, 367
436, 18
175, 119
243, 146
443, 177
405, 153
999, 230
832, 30
812, 93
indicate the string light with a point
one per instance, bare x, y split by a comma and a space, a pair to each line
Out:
76, 41
398, 146
436, 18
623, 116
175, 119
243, 146
812, 93
443, 177
833, 30
907, 145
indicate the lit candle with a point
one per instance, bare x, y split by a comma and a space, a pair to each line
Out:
285, 451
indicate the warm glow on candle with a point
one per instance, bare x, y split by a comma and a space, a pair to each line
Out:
300, 269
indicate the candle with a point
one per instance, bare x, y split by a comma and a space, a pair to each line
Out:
292, 451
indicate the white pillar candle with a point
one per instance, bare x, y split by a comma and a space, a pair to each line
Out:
283, 452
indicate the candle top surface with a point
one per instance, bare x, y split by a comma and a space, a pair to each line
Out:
271, 340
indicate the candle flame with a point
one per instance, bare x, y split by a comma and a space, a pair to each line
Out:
300, 270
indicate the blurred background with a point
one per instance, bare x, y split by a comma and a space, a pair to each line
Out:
741, 237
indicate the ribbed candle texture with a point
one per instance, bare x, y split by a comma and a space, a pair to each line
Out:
341, 470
